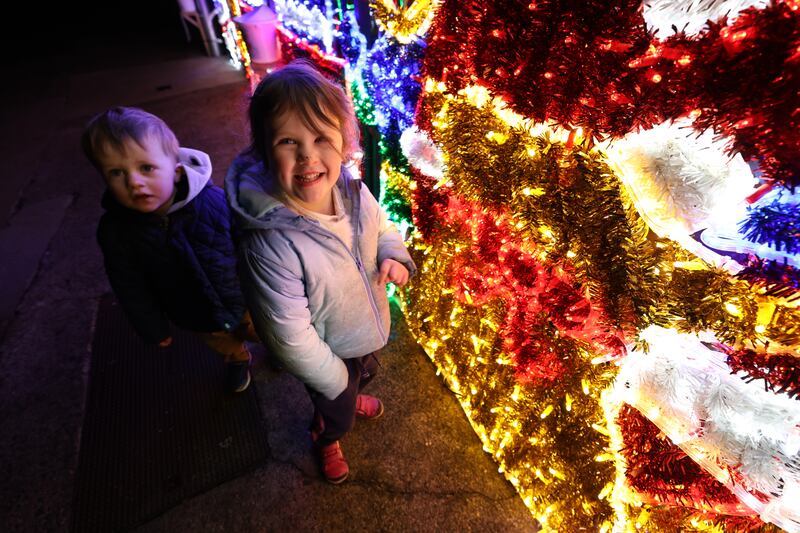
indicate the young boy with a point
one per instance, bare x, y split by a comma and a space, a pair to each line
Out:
166, 237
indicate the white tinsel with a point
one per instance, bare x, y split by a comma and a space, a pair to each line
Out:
691, 16
314, 22
681, 181
422, 153
721, 421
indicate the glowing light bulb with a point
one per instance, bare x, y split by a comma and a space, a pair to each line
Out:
732, 309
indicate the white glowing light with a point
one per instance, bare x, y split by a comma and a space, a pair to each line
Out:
691, 15
723, 422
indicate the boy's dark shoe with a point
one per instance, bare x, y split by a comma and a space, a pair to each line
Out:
334, 465
237, 376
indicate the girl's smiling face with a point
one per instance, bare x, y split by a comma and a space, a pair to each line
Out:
307, 162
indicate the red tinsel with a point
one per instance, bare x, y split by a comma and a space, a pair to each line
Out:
548, 314
593, 64
427, 202
293, 47
780, 372
663, 474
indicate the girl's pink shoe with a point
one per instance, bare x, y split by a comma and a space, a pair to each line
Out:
368, 407
334, 465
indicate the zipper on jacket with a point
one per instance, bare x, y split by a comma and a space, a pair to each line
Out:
357, 258
357, 217
370, 296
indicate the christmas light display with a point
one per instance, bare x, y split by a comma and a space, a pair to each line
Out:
546, 207
404, 24
665, 17
575, 243
395, 197
293, 47
391, 77
231, 36
312, 23
597, 67
747, 437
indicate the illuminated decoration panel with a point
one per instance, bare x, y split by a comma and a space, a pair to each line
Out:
313, 22
391, 77
293, 46
404, 23
558, 202
234, 41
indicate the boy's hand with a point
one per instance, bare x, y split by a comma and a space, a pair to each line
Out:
393, 271
166, 342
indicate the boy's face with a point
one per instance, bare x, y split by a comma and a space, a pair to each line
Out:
307, 163
141, 177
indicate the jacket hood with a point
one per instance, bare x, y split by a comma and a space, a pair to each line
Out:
197, 168
251, 191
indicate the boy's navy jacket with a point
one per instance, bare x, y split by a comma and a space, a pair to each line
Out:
179, 267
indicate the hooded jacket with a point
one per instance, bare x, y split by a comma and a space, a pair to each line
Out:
180, 266
313, 300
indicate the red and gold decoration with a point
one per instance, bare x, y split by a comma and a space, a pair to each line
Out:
606, 231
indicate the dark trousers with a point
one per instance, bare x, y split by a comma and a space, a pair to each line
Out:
339, 415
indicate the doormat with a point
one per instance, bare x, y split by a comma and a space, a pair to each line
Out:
159, 427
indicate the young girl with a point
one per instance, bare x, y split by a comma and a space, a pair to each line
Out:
315, 249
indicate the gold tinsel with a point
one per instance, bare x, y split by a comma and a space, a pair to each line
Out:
568, 203
549, 442
404, 24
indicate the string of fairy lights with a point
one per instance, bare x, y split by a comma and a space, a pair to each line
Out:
610, 293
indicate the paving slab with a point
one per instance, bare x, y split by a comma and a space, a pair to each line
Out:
419, 467
22, 244
137, 84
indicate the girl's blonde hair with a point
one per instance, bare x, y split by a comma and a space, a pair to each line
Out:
301, 88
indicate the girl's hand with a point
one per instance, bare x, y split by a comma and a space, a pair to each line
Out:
166, 342
394, 272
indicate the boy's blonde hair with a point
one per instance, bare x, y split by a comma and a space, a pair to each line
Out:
300, 87
114, 127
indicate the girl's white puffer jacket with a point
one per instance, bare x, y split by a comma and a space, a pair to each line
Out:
314, 302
